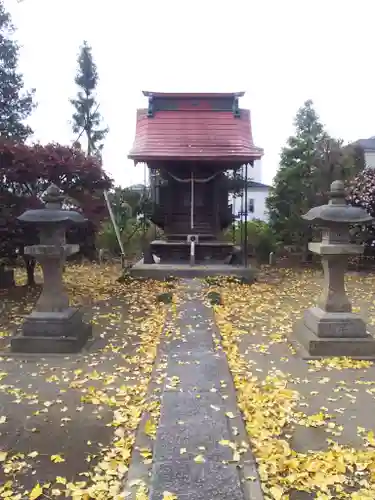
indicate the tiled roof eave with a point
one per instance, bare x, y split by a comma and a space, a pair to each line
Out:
194, 135
202, 156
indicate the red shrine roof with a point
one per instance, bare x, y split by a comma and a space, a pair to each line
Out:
186, 126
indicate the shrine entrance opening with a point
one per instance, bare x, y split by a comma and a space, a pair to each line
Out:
192, 205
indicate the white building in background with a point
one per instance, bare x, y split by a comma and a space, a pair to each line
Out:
368, 146
257, 193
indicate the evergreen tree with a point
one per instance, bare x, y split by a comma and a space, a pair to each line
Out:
309, 163
15, 103
292, 193
86, 117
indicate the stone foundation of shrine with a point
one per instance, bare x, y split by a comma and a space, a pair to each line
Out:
162, 271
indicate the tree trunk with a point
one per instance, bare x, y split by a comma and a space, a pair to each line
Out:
30, 269
306, 254
309, 256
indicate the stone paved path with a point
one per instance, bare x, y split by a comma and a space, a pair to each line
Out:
198, 411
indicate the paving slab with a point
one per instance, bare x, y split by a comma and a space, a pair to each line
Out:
190, 481
191, 339
198, 371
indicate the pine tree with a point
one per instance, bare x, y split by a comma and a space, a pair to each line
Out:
86, 117
15, 104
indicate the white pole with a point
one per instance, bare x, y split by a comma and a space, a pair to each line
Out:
111, 214
192, 202
192, 253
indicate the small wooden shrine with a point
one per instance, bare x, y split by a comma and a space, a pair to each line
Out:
189, 143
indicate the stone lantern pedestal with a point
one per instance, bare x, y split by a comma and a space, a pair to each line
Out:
54, 326
331, 328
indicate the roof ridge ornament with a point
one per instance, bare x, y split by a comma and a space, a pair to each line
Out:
236, 108
150, 111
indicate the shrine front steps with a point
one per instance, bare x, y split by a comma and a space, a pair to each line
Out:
160, 272
179, 250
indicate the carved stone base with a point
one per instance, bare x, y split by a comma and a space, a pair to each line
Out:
60, 332
332, 324
311, 346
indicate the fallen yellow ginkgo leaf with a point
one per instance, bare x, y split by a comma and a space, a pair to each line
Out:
167, 495
199, 459
36, 492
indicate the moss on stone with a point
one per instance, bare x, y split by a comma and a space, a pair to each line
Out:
170, 279
125, 277
165, 297
214, 298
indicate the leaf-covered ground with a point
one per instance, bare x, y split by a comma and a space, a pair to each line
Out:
311, 424
67, 424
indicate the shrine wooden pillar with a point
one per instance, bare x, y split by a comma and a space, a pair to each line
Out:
168, 201
216, 205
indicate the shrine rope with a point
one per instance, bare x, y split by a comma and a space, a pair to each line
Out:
193, 179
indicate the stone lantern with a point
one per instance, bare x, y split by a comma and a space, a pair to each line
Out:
331, 328
53, 326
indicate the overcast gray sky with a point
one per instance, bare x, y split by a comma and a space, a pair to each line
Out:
280, 52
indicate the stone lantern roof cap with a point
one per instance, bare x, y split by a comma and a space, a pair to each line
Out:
52, 212
337, 210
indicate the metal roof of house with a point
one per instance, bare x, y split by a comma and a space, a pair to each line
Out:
258, 185
194, 134
368, 144
137, 187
